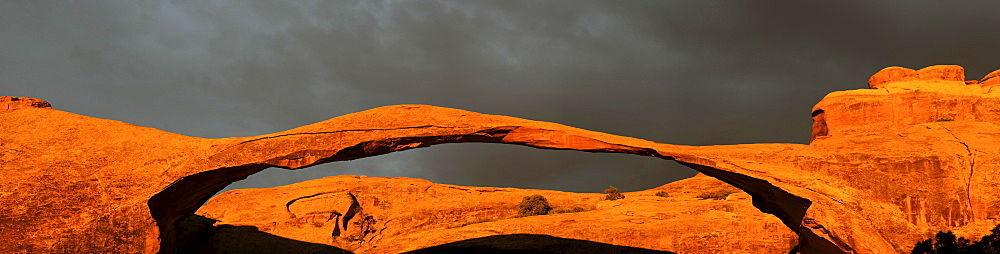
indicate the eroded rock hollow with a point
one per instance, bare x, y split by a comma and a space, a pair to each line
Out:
887, 166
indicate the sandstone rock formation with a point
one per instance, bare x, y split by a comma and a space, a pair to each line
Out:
396, 215
991, 79
10, 103
882, 172
936, 73
902, 97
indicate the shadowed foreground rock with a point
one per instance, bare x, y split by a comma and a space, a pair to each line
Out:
884, 174
521, 243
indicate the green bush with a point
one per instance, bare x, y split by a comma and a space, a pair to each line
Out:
945, 119
717, 195
613, 193
662, 194
946, 242
533, 205
575, 209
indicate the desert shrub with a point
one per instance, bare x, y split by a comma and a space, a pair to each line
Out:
717, 195
945, 119
613, 193
946, 242
533, 205
662, 194
575, 209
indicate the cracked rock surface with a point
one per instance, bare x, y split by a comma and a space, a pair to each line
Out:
885, 172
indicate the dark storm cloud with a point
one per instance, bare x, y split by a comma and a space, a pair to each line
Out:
692, 72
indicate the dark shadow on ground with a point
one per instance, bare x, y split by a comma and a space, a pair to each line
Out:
198, 235
526, 243
246, 239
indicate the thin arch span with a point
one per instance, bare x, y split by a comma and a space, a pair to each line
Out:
395, 128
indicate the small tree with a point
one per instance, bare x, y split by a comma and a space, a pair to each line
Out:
946, 242
533, 205
613, 193
990, 243
943, 242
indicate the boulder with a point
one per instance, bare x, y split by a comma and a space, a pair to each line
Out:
942, 72
928, 74
891, 74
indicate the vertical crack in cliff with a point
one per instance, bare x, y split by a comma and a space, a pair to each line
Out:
968, 183
972, 167
892, 104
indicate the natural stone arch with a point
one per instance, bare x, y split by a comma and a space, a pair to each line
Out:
396, 128
885, 176
142, 180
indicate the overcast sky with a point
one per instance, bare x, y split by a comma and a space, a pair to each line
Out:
680, 72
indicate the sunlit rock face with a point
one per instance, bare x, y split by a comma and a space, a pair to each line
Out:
11, 103
991, 79
396, 215
899, 98
888, 166
936, 73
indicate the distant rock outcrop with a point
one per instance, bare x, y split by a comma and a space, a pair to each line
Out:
991, 79
930, 74
888, 167
10, 103
901, 97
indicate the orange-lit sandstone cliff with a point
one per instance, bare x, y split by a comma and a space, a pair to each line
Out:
886, 167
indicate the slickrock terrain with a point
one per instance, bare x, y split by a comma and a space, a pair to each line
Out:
890, 165
395, 215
